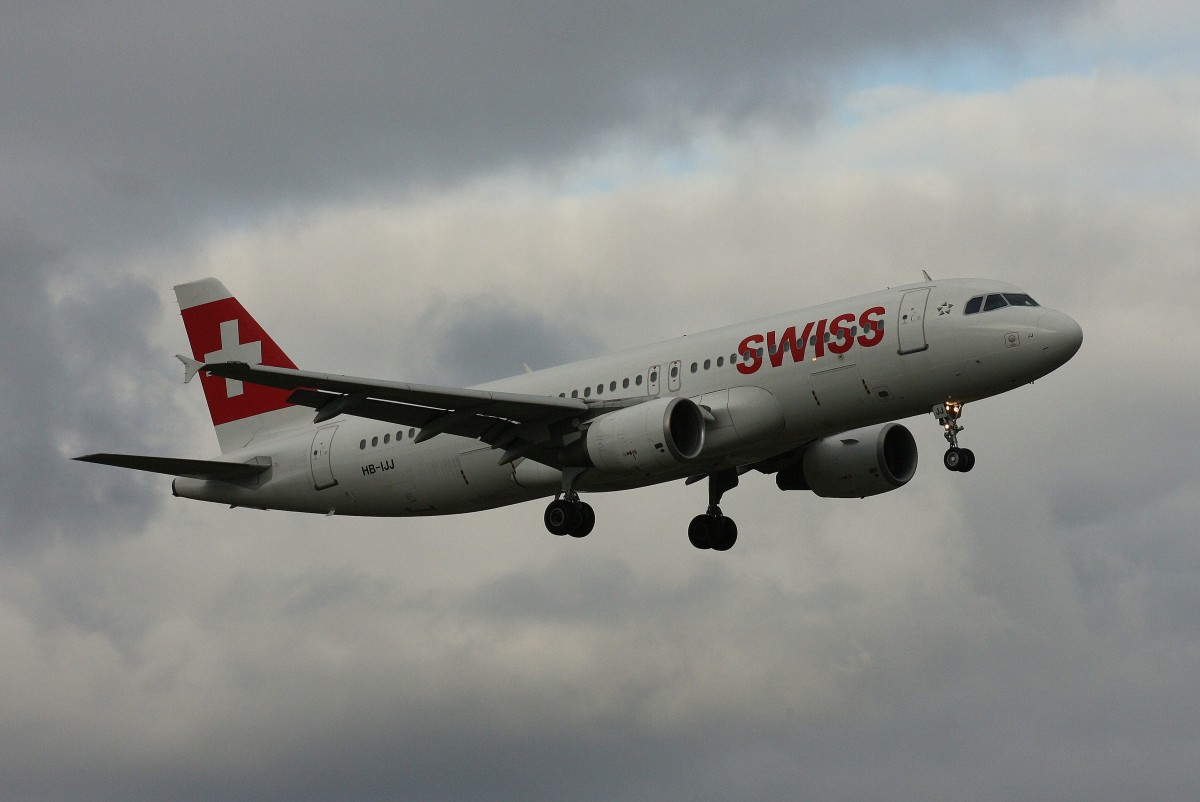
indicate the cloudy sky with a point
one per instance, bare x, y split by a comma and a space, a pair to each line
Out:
444, 192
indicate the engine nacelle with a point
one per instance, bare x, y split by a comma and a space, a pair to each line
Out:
855, 464
648, 438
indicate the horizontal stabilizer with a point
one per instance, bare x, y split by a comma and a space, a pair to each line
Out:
191, 468
190, 367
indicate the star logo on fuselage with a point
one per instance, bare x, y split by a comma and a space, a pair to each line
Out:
945, 308
234, 350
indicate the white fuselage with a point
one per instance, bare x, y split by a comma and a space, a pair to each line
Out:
769, 389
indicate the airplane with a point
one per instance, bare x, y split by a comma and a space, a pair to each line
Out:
811, 396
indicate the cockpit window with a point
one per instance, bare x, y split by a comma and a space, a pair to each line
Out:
1019, 299
994, 302
987, 303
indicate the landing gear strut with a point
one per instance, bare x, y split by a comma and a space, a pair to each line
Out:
713, 530
955, 459
567, 515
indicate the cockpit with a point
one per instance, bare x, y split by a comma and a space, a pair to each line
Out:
997, 300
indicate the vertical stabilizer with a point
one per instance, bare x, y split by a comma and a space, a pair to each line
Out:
219, 329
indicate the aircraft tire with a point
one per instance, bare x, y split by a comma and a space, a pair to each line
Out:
587, 520
953, 459
968, 461
700, 532
726, 534
562, 517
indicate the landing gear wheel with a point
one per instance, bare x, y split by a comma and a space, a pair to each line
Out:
700, 533
562, 517
714, 532
727, 534
959, 459
587, 520
953, 459
574, 518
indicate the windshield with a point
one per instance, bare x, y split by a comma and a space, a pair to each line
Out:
997, 300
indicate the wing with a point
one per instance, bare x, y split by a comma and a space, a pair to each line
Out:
521, 425
192, 468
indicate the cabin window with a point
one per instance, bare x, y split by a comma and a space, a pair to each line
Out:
587, 392
720, 361
362, 444
625, 383
638, 380
374, 442
399, 435
612, 386
695, 367
387, 438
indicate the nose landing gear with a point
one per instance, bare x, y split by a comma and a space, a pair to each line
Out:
955, 458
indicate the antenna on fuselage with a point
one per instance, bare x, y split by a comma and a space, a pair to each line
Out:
926, 275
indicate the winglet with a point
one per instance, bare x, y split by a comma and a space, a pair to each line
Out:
190, 367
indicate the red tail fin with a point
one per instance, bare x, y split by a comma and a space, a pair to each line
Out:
221, 330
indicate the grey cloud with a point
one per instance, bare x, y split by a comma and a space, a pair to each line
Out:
56, 397
708, 681
472, 339
159, 116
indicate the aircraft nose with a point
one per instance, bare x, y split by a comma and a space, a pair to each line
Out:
1059, 331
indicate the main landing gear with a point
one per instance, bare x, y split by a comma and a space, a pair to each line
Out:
567, 515
955, 459
570, 516
713, 530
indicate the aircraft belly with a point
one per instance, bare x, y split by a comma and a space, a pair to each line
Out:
486, 481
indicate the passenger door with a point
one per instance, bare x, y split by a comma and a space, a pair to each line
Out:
911, 325
321, 465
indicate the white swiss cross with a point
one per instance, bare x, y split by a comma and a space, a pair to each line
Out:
234, 350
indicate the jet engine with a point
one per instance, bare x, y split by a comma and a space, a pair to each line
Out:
648, 438
855, 464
